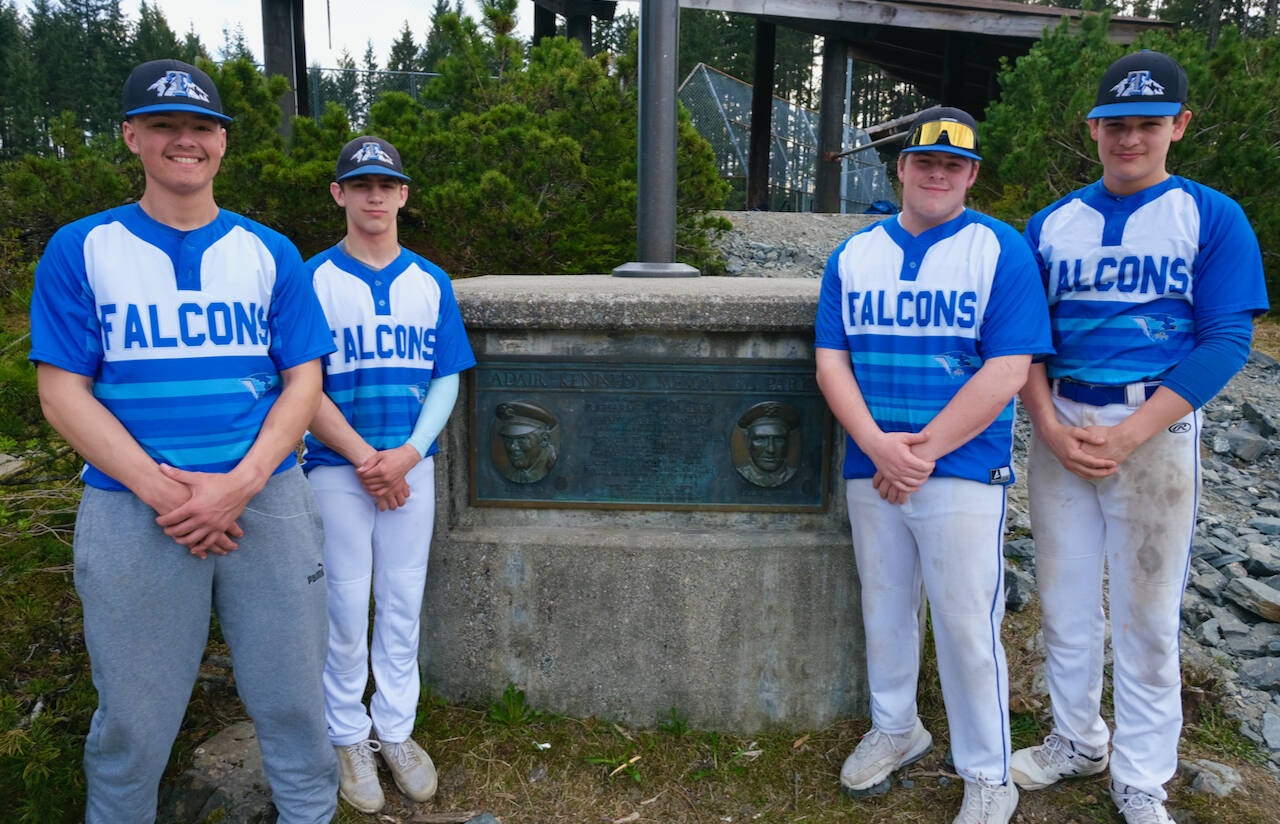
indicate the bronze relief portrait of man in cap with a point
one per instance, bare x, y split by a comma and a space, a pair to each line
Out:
766, 444
525, 442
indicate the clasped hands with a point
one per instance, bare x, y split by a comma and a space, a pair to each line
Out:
901, 469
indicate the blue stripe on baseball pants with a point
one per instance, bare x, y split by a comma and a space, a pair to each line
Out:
389, 551
1137, 523
948, 535
146, 617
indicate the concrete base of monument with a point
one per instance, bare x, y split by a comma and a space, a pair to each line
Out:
636, 560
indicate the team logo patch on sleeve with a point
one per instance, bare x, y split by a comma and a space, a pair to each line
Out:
1000, 475
178, 84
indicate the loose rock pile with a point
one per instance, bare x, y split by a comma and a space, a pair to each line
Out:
784, 244
1231, 610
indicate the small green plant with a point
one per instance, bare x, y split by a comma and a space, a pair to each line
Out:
1221, 735
618, 761
677, 726
512, 710
1024, 729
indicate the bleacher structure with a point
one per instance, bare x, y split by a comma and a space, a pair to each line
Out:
720, 106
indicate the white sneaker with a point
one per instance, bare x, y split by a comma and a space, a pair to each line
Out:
1034, 768
358, 776
411, 768
1137, 807
987, 803
867, 770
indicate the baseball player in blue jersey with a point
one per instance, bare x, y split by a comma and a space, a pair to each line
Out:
927, 323
1152, 282
178, 350
389, 390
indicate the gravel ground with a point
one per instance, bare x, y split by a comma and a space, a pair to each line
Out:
784, 244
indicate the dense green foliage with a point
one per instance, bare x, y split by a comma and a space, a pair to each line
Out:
522, 161
1037, 143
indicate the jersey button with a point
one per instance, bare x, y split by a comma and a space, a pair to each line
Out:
382, 303
377, 283
912, 264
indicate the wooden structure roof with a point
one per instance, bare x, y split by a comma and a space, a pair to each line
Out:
948, 49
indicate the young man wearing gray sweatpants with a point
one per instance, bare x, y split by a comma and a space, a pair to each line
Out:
177, 349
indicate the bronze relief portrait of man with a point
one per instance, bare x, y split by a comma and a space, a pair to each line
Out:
525, 441
766, 444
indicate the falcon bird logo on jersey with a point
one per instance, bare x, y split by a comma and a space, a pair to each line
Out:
259, 384
178, 84
371, 151
1138, 84
959, 364
1157, 326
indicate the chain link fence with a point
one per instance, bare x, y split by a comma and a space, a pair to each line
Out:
720, 106
355, 90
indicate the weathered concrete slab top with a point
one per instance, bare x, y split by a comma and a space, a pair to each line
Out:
603, 302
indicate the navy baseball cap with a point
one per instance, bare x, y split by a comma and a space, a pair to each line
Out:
171, 86
369, 156
1143, 83
944, 129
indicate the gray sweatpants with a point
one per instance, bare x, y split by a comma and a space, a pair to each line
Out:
146, 622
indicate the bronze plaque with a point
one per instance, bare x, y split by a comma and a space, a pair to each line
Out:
702, 434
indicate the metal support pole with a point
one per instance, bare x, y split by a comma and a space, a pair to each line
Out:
830, 125
761, 116
544, 23
656, 154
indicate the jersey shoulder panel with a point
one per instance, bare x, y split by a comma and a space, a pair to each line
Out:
1035, 226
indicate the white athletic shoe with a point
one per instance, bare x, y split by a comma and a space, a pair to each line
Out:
1137, 807
987, 803
867, 770
411, 768
358, 776
1034, 768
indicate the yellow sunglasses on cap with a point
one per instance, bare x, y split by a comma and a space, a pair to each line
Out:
944, 133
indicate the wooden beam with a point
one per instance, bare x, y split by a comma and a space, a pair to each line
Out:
599, 9
999, 19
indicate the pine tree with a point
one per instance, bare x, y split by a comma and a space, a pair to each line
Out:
21, 113
342, 87
435, 48
152, 37
234, 45
404, 54
614, 36
370, 86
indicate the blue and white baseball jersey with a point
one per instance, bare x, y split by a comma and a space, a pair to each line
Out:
184, 333
1128, 278
395, 329
920, 315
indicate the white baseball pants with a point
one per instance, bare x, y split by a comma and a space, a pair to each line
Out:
948, 535
1137, 522
385, 551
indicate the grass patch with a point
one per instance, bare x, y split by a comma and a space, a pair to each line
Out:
1266, 335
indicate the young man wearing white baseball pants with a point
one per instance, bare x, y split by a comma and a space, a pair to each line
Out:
389, 389
927, 323
1152, 282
